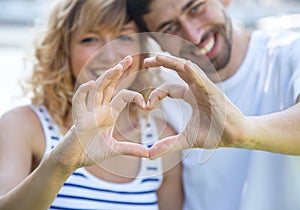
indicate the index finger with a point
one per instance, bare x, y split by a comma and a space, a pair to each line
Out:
167, 61
79, 106
109, 90
108, 80
167, 89
187, 70
111, 76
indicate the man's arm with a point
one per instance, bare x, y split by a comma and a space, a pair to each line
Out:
216, 121
277, 132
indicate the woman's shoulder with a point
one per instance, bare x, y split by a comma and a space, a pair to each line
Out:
21, 125
20, 117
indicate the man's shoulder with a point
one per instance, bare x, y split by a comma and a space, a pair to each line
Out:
273, 39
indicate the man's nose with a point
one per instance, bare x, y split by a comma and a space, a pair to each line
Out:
192, 31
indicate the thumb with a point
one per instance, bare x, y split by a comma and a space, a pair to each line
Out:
134, 149
166, 145
124, 97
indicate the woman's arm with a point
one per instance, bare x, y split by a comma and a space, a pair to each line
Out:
21, 146
88, 141
39, 189
170, 194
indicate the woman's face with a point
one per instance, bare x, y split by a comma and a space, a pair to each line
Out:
95, 52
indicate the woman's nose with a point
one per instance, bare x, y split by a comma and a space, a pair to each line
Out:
109, 53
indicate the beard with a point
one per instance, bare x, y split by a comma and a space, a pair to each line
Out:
223, 35
223, 58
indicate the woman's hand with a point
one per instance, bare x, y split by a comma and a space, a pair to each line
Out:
95, 110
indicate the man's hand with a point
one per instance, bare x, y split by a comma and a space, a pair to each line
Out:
215, 121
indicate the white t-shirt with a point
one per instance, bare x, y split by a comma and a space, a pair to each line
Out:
239, 179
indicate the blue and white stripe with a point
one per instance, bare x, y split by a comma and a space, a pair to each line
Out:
84, 191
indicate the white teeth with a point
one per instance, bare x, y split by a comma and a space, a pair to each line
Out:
206, 48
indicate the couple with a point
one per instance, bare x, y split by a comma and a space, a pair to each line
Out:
259, 73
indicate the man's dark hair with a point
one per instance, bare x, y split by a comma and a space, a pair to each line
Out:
136, 9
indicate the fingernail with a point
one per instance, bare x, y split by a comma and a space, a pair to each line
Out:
91, 82
148, 102
143, 104
127, 57
118, 66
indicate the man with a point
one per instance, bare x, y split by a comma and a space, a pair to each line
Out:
260, 76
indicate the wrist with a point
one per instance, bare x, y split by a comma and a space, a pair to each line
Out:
248, 134
65, 156
58, 166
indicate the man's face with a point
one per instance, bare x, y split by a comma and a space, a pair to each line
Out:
203, 25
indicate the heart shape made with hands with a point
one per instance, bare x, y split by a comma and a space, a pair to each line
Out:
96, 109
177, 115
147, 107
121, 122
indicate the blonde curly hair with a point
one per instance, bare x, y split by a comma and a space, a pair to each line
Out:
52, 81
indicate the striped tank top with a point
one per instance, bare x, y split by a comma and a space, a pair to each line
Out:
84, 191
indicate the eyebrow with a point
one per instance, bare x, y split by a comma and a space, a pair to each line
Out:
184, 8
188, 5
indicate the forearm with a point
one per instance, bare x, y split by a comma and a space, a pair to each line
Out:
170, 194
277, 132
38, 190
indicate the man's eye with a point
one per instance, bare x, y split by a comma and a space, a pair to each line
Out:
88, 40
172, 28
196, 8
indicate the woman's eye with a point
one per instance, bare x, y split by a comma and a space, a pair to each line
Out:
88, 40
126, 38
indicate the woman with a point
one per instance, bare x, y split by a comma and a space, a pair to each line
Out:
62, 161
